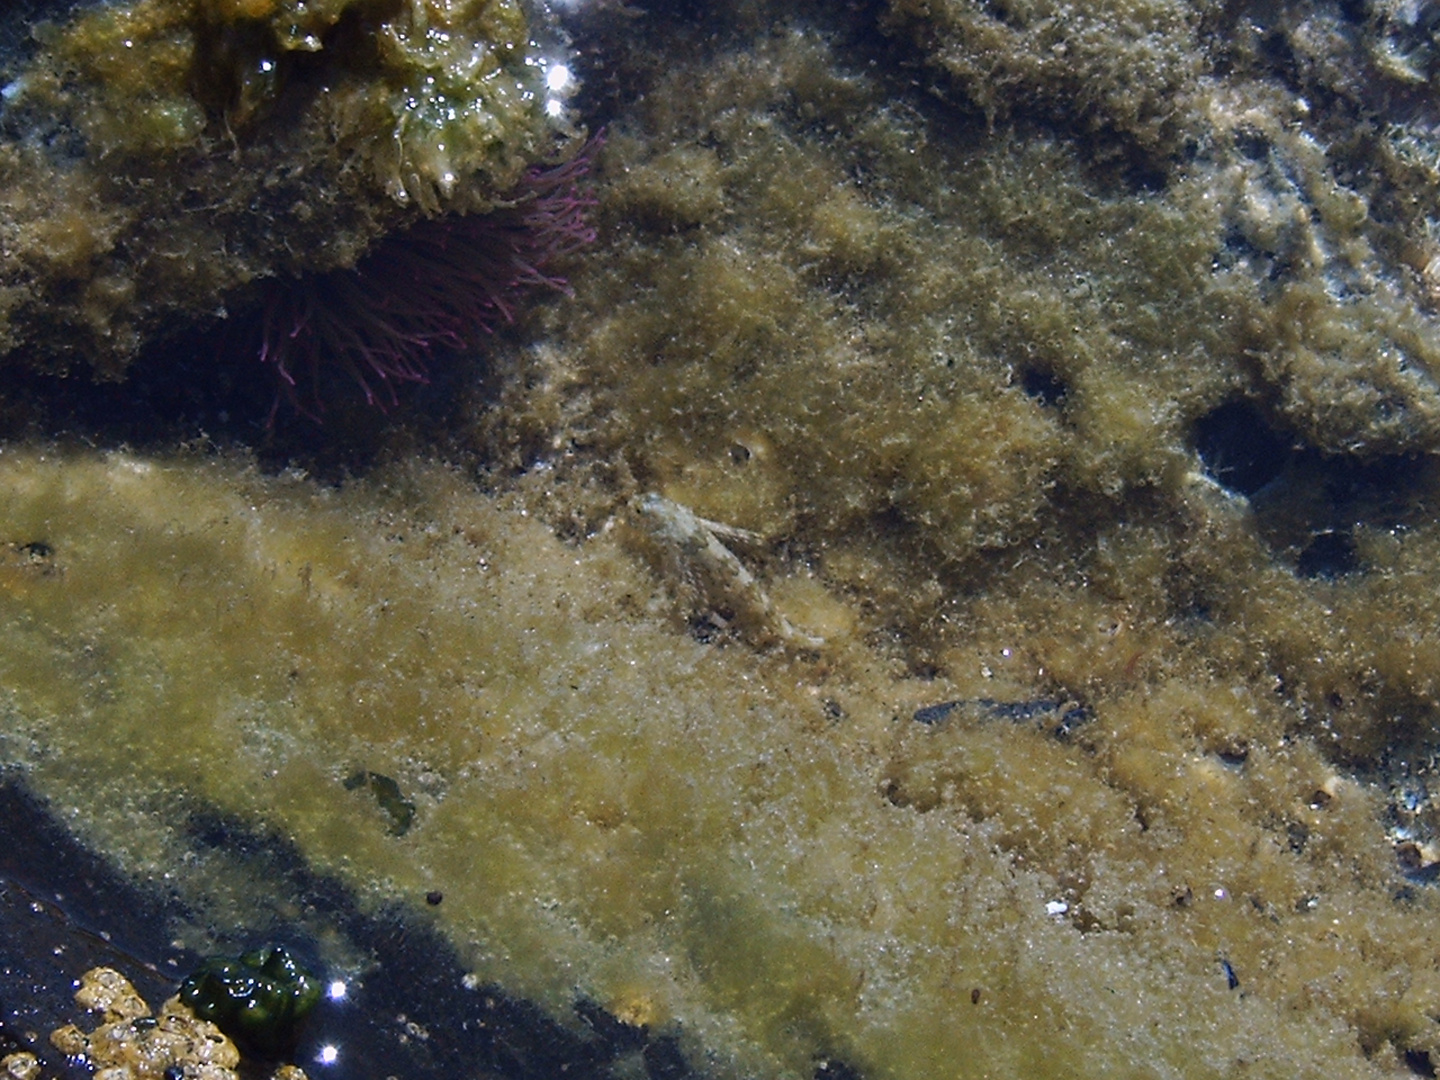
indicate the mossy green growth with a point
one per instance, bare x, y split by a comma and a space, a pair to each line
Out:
763, 855
935, 390
388, 797
259, 999
171, 152
1290, 128
1127, 66
135, 61
825, 319
426, 94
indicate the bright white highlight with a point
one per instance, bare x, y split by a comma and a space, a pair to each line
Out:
336, 991
558, 79
559, 83
328, 1055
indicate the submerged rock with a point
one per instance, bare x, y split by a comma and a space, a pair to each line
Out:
1093, 429
159, 156
691, 837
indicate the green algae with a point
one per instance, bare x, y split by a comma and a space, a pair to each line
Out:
1114, 67
259, 999
1328, 212
165, 154
426, 95
687, 835
939, 377
954, 374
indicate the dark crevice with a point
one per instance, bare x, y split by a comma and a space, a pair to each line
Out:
1308, 504
1419, 1063
1044, 386
1240, 449
1329, 556
63, 909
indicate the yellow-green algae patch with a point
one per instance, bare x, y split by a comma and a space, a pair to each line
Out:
958, 377
951, 381
684, 834
819, 309
161, 155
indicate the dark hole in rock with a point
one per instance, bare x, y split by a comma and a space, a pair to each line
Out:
1418, 1062
1382, 491
1044, 386
1275, 47
1240, 449
1252, 142
1231, 979
1297, 835
664, 1060
1330, 555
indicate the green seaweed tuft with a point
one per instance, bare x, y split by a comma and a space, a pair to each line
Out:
259, 999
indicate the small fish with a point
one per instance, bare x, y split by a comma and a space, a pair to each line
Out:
1051, 714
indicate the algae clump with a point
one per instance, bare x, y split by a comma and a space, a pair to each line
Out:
159, 156
259, 999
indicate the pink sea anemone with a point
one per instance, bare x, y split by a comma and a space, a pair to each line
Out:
444, 283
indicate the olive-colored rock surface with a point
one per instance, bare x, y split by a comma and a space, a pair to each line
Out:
159, 156
767, 852
953, 594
